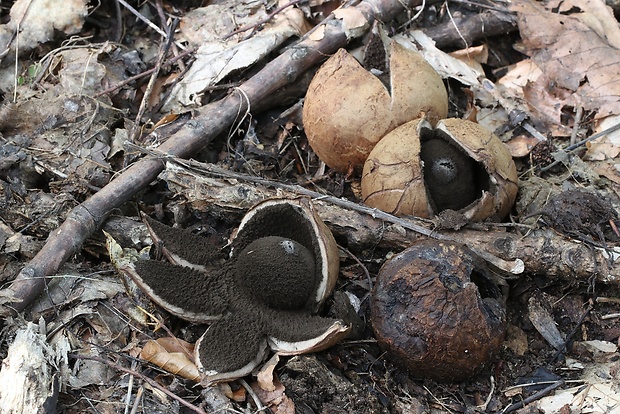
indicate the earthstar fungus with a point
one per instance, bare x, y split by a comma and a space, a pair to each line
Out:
420, 169
349, 108
283, 265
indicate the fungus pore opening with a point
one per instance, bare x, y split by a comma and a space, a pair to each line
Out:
453, 179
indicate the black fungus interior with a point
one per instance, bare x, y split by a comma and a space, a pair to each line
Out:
453, 179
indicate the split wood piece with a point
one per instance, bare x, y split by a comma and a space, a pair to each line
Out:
542, 251
209, 121
27, 378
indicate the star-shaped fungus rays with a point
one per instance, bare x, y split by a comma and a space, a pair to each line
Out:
283, 265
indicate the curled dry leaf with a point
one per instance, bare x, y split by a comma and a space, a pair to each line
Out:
353, 21
565, 46
275, 398
38, 20
265, 377
171, 354
215, 59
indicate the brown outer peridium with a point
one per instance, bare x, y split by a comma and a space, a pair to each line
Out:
347, 109
392, 178
486, 148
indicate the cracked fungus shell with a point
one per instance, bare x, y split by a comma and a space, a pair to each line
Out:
347, 109
458, 165
294, 219
436, 310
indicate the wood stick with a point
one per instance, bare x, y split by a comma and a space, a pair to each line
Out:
541, 251
209, 122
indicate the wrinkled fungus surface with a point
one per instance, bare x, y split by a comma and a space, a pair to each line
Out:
436, 311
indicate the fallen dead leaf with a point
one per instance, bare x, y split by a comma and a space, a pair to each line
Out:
473, 56
521, 145
572, 55
38, 20
265, 376
600, 150
277, 401
217, 58
171, 354
353, 21
611, 171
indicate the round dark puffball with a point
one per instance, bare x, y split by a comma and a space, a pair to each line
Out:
277, 271
436, 311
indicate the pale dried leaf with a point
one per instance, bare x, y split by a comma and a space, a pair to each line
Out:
354, 23
544, 323
447, 66
521, 145
265, 377
175, 362
572, 55
121, 257
81, 73
601, 150
473, 56
519, 75
90, 372
601, 346
26, 377
318, 34
217, 59
593, 13
211, 23
277, 401
611, 171
602, 397
38, 20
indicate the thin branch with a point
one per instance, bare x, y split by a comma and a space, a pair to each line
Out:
145, 73
149, 88
144, 19
581, 143
143, 377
